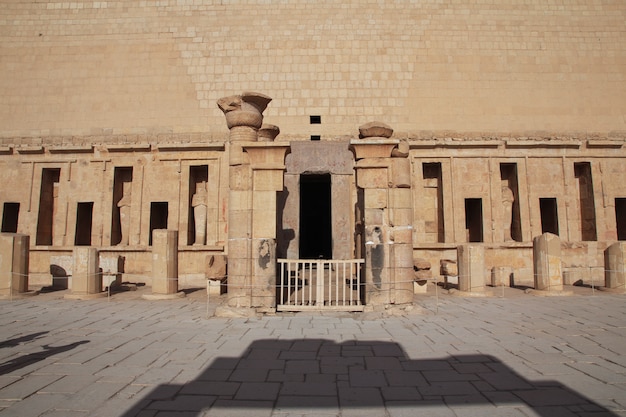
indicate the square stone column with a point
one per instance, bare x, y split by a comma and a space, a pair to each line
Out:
267, 164
471, 264
401, 222
382, 171
614, 274
164, 265
14, 262
547, 263
86, 274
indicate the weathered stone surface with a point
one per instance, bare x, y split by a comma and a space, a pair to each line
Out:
320, 157
268, 132
547, 263
14, 261
471, 263
501, 276
164, 262
614, 273
421, 264
448, 267
423, 274
112, 268
86, 275
375, 129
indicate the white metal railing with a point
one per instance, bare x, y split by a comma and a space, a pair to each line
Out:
320, 284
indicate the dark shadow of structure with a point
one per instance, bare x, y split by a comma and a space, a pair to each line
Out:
308, 374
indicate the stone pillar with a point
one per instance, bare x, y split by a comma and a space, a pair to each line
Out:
165, 265
383, 172
86, 274
614, 274
401, 224
14, 262
256, 166
471, 264
266, 183
547, 263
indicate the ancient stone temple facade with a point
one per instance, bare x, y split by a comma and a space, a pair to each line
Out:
399, 132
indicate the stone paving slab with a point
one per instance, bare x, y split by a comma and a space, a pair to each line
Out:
516, 356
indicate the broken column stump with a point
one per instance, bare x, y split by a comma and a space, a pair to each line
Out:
614, 275
164, 266
471, 264
86, 275
547, 265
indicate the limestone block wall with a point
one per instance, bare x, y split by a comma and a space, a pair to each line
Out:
76, 68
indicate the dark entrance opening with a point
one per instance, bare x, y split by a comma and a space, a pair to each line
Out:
158, 217
474, 219
84, 215
47, 207
9, 217
582, 171
549, 216
122, 182
508, 174
315, 217
198, 178
620, 217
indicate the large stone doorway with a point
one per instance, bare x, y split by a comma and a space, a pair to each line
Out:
315, 210
315, 216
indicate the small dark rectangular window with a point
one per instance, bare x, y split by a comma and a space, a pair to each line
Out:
474, 219
549, 216
10, 215
315, 120
158, 217
620, 217
316, 137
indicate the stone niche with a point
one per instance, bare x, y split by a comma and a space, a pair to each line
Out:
332, 162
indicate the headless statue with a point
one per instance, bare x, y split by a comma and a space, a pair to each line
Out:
199, 204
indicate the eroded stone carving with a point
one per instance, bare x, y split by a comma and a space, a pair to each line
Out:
507, 203
375, 130
268, 133
244, 111
199, 204
124, 205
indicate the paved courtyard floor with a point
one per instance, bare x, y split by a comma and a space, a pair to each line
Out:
517, 355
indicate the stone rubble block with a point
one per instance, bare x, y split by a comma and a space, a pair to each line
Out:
501, 276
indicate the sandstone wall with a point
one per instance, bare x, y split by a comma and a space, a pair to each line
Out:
156, 67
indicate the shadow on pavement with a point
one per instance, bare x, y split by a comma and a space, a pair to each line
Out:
22, 361
307, 374
16, 341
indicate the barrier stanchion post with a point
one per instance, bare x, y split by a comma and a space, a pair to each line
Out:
208, 296
593, 286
